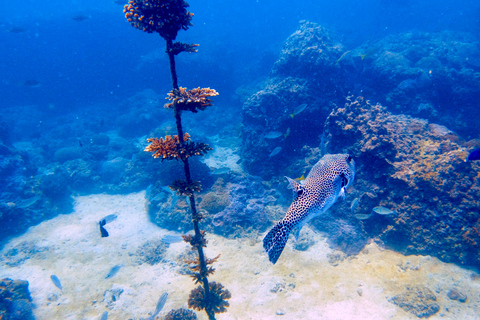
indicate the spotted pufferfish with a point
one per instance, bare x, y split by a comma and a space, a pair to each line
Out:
327, 181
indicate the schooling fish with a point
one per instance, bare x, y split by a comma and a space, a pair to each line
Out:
474, 155
328, 180
56, 282
160, 305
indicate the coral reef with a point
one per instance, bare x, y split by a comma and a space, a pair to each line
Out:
247, 199
431, 75
306, 72
15, 300
309, 52
418, 170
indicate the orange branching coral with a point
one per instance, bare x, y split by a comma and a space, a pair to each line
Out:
166, 17
191, 100
216, 301
183, 189
169, 148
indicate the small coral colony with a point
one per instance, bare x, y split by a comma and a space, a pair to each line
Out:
167, 17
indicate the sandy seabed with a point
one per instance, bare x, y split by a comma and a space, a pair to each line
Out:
302, 285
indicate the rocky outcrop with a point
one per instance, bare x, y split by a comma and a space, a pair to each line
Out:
418, 170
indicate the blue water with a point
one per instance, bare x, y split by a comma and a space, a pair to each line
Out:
96, 60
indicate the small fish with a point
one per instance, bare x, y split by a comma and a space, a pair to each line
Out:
298, 110
31, 83
361, 216
56, 282
342, 57
28, 202
171, 239
474, 155
160, 305
275, 152
17, 30
104, 315
103, 231
109, 218
301, 178
113, 271
287, 133
323, 144
80, 17
221, 170
80, 143
273, 135
354, 205
383, 211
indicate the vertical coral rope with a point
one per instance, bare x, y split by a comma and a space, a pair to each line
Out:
188, 179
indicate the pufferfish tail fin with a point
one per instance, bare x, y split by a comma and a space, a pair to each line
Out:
276, 239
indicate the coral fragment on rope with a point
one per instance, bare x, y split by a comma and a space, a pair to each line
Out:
166, 17
191, 100
170, 148
182, 188
215, 302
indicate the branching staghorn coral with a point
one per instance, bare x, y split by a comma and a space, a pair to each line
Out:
170, 148
167, 17
191, 100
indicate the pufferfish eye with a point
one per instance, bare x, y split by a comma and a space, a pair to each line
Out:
349, 158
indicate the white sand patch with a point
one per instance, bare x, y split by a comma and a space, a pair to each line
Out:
302, 285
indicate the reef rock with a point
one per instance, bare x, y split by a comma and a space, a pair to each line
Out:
416, 169
420, 301
431, 75
15, 300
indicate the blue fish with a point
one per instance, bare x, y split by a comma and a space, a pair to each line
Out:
474, 155
113, 271
56, 282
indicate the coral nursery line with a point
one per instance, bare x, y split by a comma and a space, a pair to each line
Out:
167, 18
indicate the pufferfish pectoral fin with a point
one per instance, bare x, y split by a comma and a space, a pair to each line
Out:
276, 239
296, 187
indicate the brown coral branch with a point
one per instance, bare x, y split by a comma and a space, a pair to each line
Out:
182, 188
170, 148
191, 100
178, 47
215, 302
198, 240
166, 17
